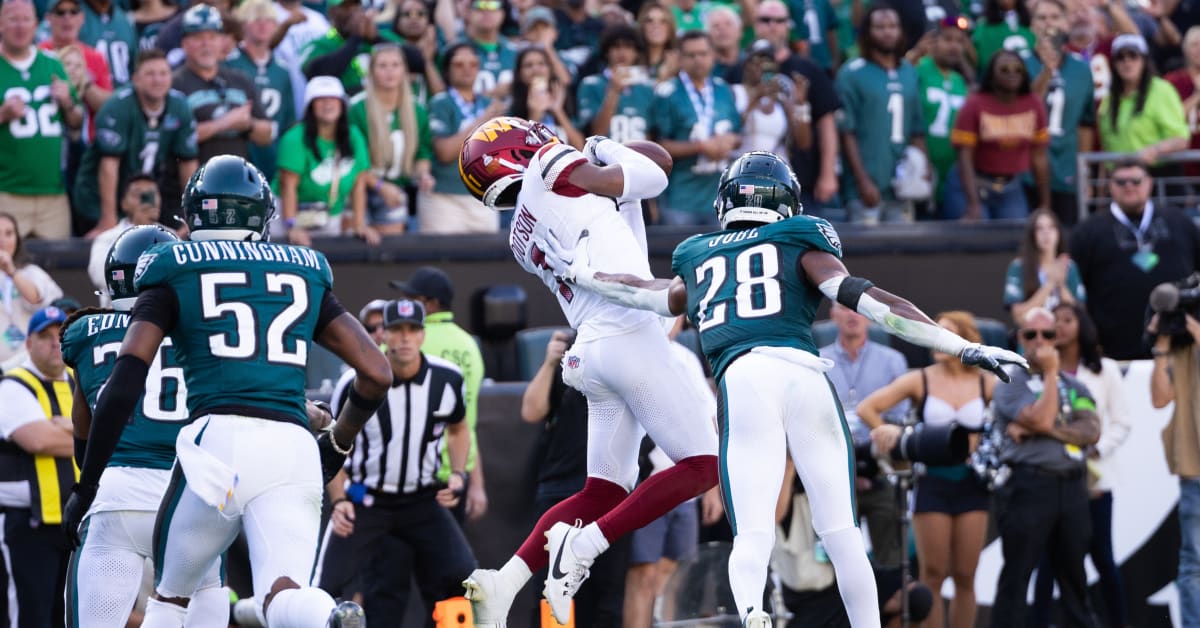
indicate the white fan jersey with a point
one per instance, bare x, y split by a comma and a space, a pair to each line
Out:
549, 202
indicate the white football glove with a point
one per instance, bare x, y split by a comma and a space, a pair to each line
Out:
567, 262
991, 359
589, 149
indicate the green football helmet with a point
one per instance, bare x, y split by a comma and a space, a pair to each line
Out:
228, 199
121, 264
757, 187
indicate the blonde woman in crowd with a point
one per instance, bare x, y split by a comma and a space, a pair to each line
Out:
398, 139
951, 512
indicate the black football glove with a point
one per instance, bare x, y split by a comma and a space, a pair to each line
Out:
332, 460
77, 506
992, 359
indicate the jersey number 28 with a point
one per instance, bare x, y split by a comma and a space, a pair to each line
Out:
757, 293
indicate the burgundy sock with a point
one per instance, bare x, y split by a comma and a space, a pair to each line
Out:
597, 497
658, 495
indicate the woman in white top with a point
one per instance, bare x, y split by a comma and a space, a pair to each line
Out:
24, 289
775, 114
951, 513
1079, 355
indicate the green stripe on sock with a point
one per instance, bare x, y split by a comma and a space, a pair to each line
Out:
849, 450
723, 458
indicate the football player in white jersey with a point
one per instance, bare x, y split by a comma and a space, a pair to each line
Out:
620, 359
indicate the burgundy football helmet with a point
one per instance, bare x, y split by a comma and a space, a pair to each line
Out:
493, 158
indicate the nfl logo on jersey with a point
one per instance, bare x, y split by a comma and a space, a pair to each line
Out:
573, 362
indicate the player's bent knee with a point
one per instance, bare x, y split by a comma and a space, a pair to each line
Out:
704, 472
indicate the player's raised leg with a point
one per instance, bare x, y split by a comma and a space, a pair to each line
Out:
824, 456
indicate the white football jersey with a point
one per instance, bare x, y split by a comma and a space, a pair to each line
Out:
549, 202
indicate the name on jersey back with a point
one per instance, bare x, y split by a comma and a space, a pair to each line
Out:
223, 250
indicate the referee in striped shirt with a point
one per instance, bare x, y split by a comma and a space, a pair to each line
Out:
388, 486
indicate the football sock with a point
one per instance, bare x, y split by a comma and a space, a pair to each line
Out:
515, 573
856, 580
590, 543
209, 607
748, 567
597, 497
659, 494
246, 613
306, 607
163, 615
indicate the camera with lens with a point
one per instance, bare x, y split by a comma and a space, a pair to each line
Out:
933, 445
1171, 301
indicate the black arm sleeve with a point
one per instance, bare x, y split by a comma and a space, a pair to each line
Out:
336, 62
331, 308
157, 305
121, 394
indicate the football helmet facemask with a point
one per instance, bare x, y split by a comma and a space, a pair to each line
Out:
228, 198
121, 263
758, 187
494, 157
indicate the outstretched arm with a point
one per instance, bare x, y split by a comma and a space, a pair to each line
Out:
898, 316
665, 297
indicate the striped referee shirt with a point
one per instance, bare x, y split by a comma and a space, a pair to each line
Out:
399, 448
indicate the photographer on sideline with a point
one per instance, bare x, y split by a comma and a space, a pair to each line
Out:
1050, 420
1176, 361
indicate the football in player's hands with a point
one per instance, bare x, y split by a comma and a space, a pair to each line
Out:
656, 153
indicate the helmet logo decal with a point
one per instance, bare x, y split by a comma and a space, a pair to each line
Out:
745, 189
490, 131
487, 160
118, 275
208, 203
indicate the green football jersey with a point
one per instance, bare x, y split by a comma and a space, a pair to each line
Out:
496, 63
274, 87
882, 109
677, 116
358, 120
90, 346
1069, 105
123, 130
448, 116
114, 36
352, 77
990, 38
316, 176
813, 19
147, 34
942, 95
631, 119
247, 313
33, 143
745, 289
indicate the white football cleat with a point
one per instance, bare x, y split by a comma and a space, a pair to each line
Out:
567, 570
757, 619
490, 599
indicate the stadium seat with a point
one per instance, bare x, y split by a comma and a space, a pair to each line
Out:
531, 350
994, 332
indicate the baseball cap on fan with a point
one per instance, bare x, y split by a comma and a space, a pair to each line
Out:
200, 18
403, 312
44, 318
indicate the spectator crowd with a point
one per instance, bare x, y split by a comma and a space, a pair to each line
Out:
934, 110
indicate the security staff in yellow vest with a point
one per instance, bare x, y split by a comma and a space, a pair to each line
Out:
37, 472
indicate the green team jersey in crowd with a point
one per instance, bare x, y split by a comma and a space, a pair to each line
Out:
90, 346
631, 119
496, 63
813, 19
32, 145
316, 175
274, 87
114, 36
1069, 105
1007, 35
942, 95
359, 68
882, 109
771, 305
676, 116
358, 120
123, 130
247, 312
147, 34
448, 114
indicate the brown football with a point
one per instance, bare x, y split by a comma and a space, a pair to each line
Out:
656, 153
